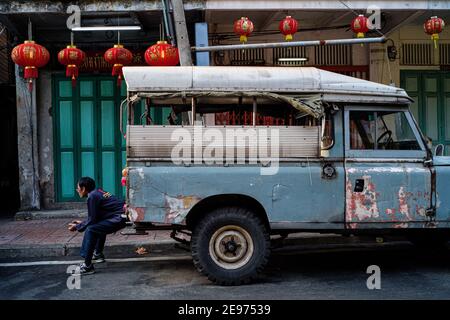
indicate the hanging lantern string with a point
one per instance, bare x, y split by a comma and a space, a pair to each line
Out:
30, 30
118, 31
71, 39
30, 38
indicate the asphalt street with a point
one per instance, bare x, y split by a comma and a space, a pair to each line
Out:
293, 273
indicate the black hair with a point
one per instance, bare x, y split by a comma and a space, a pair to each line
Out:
87, 183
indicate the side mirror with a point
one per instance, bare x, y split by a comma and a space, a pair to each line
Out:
439, 150
429, 142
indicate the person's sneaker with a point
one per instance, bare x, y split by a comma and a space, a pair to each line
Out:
98, 258
84, 269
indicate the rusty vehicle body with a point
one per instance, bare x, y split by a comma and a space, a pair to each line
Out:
358, 165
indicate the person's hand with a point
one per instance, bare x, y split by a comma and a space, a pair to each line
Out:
76, 222
72, 226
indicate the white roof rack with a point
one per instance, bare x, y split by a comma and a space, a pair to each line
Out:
333, 87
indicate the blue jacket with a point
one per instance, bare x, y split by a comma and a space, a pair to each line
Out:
102, 206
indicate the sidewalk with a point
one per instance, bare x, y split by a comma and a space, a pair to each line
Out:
50, 238
44, 237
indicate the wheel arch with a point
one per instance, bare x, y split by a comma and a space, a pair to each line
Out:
210, 203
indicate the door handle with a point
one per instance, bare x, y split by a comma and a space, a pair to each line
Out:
359, 185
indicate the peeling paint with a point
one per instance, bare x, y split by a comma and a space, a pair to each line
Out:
403, 204
430, 224
362, 205
382, 170
141, 173
136, 214
403, 225
390, 212
178, 207
402, 194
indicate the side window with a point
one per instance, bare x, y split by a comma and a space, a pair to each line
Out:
362, 130
381, 130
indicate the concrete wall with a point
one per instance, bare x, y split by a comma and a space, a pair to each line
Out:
27, 144
45, 137
379, 64
45, 152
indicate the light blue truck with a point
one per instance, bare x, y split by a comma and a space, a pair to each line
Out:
303, 150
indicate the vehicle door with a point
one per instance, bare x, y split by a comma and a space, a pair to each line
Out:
388, 183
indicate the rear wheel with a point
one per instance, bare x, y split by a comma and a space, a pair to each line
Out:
231, 246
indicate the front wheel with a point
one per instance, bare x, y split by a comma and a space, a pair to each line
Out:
231, 246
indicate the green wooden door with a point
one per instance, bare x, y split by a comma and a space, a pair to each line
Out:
87, 140
431, 93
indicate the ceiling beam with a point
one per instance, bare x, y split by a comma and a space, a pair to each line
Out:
333, 19
10, 26
270, 17
34, 7
325, 5
404, 22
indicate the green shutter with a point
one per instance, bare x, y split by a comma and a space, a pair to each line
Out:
431, 92
87, 135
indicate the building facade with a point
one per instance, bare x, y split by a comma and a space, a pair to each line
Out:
65, 132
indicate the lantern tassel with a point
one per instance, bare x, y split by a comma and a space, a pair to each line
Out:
30, 85
288, 37
117, 69
435, 38
243, 38
72, 71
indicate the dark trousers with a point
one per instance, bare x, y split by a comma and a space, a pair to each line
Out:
95, 237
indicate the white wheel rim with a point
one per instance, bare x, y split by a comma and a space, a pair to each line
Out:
231, 247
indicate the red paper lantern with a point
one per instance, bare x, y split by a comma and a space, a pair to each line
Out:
31, 56
119, 57
288, 26
162, 54
71, 57
243, 27
359, 26
433, 27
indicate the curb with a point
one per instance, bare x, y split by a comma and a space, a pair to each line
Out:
73, 250
50, 214
162, 247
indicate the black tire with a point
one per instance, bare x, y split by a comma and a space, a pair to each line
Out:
231, 246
